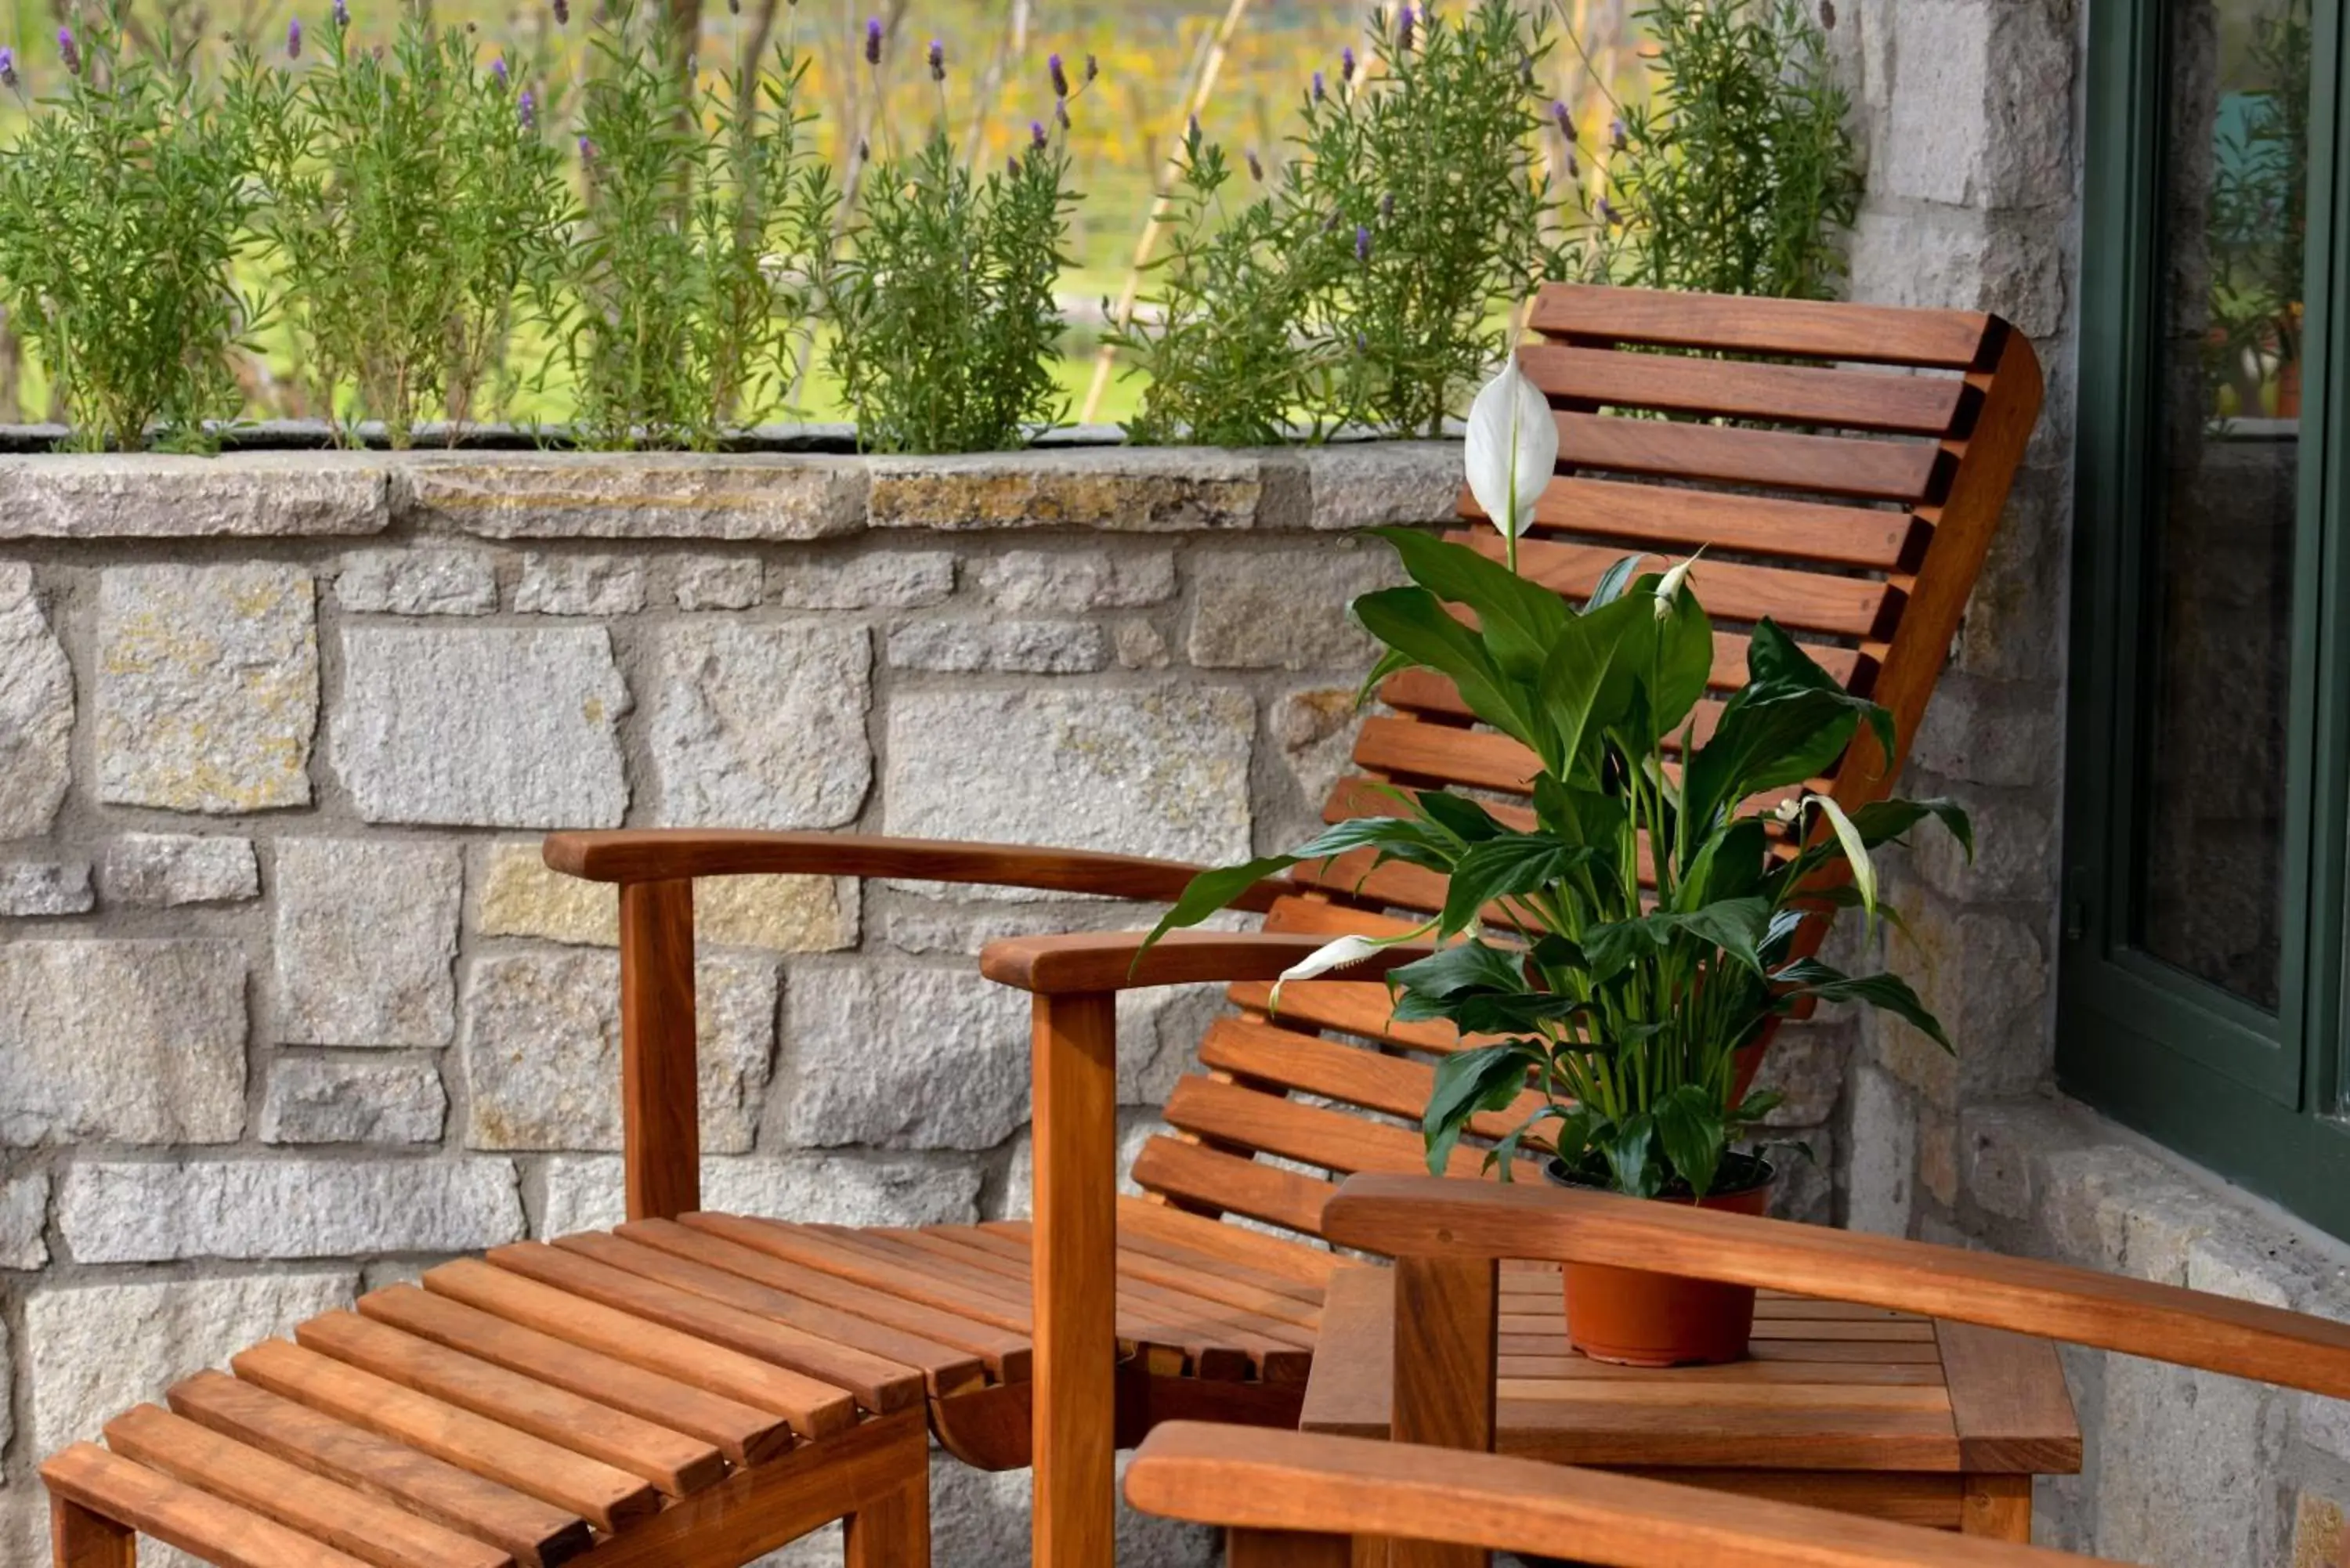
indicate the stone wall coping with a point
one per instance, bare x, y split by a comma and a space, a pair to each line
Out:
757, 495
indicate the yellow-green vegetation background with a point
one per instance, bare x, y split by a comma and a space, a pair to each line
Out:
1260, 54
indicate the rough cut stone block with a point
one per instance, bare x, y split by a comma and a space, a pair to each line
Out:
1990, 732
24, 1212
365, 933
1025, 581
159, 1212
37, 710
1985, 975
164, 871
482, 727
1160, 770
121, 1042
1120, 489
762, 726
1141, 645
1314, 728
417, 581
520, 896
580, 585
30, 888
207, 686
718, 582
1981, 110
1286, 608
1805, 1064
583, 1191
872, 579
542, 1050
1018, 647
636, 496
899, 1057
1954, 258
310, 495
314, 1101
1370, 485
92, 1351
1884, 1156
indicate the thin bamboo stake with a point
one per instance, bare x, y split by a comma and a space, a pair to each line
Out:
1204, 87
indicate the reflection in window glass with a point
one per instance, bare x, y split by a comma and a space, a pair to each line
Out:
2213, 787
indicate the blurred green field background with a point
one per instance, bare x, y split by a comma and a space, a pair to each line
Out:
1244, 63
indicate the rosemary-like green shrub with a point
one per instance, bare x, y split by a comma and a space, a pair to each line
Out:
406, 201
1740, 176
1657, 926
706, 208
946, 327
123, 209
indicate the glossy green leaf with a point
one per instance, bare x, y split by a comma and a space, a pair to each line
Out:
1413, 622
1468, 1082
1690, 1130
1519, 617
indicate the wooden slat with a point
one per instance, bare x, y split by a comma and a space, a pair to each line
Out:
1798, 601
815, 1409
1349, 1073
1210, 1178
1307, 1264
1134, 1242
2010, 1402
1591, 1401
880, 1385
946, 1371
1867, 469
1569, 1366
671, 1460
746, 1435
1791, 328
1788, 1439
1429, 696
608, 1498
1781, 394
814, 1248
340, 1516
180, 1515
1229, 1114
745, 1248
1350, 1006
1310, 913
1869, 537
533, 1531
1480, 759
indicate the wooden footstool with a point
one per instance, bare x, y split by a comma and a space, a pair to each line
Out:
1842, 1407
488, 1418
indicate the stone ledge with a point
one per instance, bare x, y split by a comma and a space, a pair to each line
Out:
277, 494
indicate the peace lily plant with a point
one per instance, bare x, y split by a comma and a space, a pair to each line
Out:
1652, 910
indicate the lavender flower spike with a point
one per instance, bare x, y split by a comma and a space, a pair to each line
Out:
1565, 120
1093, 69
342, 14
1255, 165
563, 12
527, 111
1061, 112
938, 61
7, 67
498, 69
1035, 133
70, 51
1347, 64
1060, 76
1616, 134
1321, 90
873, 40
1406, 20
586, 151
1362, 243
293, 38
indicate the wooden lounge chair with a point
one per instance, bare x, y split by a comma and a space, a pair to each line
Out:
1295, 1499
1865, 541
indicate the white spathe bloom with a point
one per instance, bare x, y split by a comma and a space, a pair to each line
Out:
1669, 587
1512, 448
1330, 955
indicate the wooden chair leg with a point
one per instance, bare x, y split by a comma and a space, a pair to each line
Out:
81, 1538
894, 1533
1286, 1548
1997, 1505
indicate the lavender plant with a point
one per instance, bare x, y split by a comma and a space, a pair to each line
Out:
692, 271
122, 209
947, 326
408, 200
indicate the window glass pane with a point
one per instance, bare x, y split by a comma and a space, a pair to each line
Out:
2221, 494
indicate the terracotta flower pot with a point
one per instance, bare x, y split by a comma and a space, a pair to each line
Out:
1636, 1318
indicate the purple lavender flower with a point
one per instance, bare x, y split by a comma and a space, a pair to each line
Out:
1321, 88
1564, 119
938, 58
498, 69
293, 38
1011, 166
1060, 76
1387, 208
1574, 169
7, 67
586, 151
527, 113
1347, 64
342, 14
1616, 134
872, 40
1093, 69
1035, 133
1061, 112
1362, 243
70, 51
1607, 213
1406, 20
1257, 166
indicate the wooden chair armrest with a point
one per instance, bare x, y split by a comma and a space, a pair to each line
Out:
1116, 960
1410, 1215
1253, 1479
665, 854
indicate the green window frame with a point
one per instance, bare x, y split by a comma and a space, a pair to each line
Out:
2253, 1096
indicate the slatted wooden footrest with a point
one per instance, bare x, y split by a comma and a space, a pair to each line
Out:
603, 1402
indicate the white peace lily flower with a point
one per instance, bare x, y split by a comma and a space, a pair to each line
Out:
1330, 955
1669, 587
1510, 449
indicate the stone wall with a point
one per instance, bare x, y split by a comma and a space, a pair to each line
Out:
1971, 115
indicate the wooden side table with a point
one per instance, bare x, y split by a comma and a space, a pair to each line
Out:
1842, 1407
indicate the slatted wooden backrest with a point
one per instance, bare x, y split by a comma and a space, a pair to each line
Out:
1842, 466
